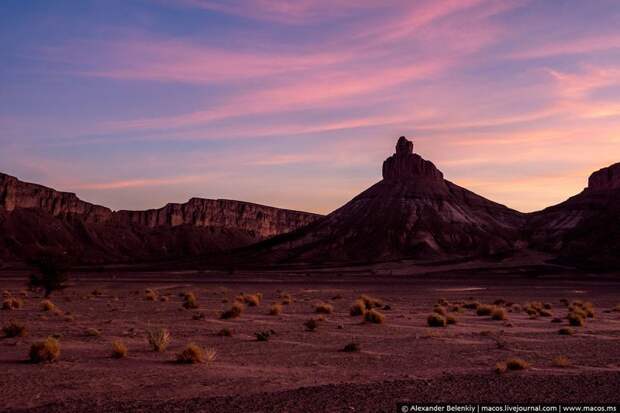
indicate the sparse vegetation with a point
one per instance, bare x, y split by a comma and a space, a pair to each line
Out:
235, 311
286, 299
119, 349
11, 304
252, 300
576, 319
471, 305
324, 308
92, 332
311, 324
14, 329
47, 305
52, 271
191, 354
358, 308
566, 331
264, 335
562, 361
440, 310
450, 319
501, 367
150, 295
276, 309
45, 351
436, 320
352, 348
370, 302
499, 314
484, 309
374, 316
159, 339
515, 363
189, 301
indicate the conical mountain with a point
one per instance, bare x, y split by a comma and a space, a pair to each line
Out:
412, 213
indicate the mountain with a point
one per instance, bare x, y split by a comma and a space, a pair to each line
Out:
585, 229
412, 213
34, 217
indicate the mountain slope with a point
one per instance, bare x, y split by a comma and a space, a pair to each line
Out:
34, 217
413, 212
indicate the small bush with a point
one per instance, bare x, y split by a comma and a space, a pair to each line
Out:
374, 316
484, 310
566, 331
225, 332
14, 329
11, 304
45, 351
235, 311
119, 349
358, 308
324, 308
264, 335
189, 301
150, 295
501, 367
517, 364
576, 320
191, 354
52, 271
286, 299
159, 339
351, 348
436, 320
562, 361
276, 309
252, 300
311, 324
47, 305
164, 299
439, 310
499, 314
450, 319
92, 332
370, 302
471, 305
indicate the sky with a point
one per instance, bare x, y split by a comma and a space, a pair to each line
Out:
136, 103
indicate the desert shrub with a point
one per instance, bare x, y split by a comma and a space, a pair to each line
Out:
450, 319
436, 320
264, 335
545, 313
276, 309
189, 301
547, 306
225, 332
484, 309
374, 316
576, 319
47, 305
566, 331
45, 351
52, 271
352, 348
515, 363
516, 308
499, 301
370, 302
311, 324
164, 299
11, 304
358, 308
235, 311
252, 300
92, 332
324, 308
562, 361
14, 329
499, 313
286, 299
150, 295
191, 354
119, 349
501, 367
159, 339
439, 310
471, 305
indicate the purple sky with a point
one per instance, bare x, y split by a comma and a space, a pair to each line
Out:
136, 103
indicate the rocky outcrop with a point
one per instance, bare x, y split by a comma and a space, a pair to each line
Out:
412, 213
33, 217
605, 179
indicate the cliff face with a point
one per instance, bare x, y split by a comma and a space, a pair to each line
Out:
17, 194
33, 216
605, 179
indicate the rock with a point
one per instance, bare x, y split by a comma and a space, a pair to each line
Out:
405, 165
605, 179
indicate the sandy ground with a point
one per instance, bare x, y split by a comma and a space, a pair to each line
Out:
401, 359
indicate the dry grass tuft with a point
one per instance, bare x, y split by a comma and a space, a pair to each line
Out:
436, 320
286, 299
311, 324
92, 332
370, 302
566, 331
45, 351
485, 309
515, 363
119, 349
11, 304
159, 339
439, 310
576, 319
471, 305
235, 311
562, 361
47, 305
450, 319
150, 295
264, 335
501, 367
358, 308
191, 354
499, 314
189, 301
252, 300
324, 308
352, 348
374, 316
14, 329
276, 309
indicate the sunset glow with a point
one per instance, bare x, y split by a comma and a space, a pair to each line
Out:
133, 104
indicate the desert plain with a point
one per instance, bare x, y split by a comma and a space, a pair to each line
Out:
401, 358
